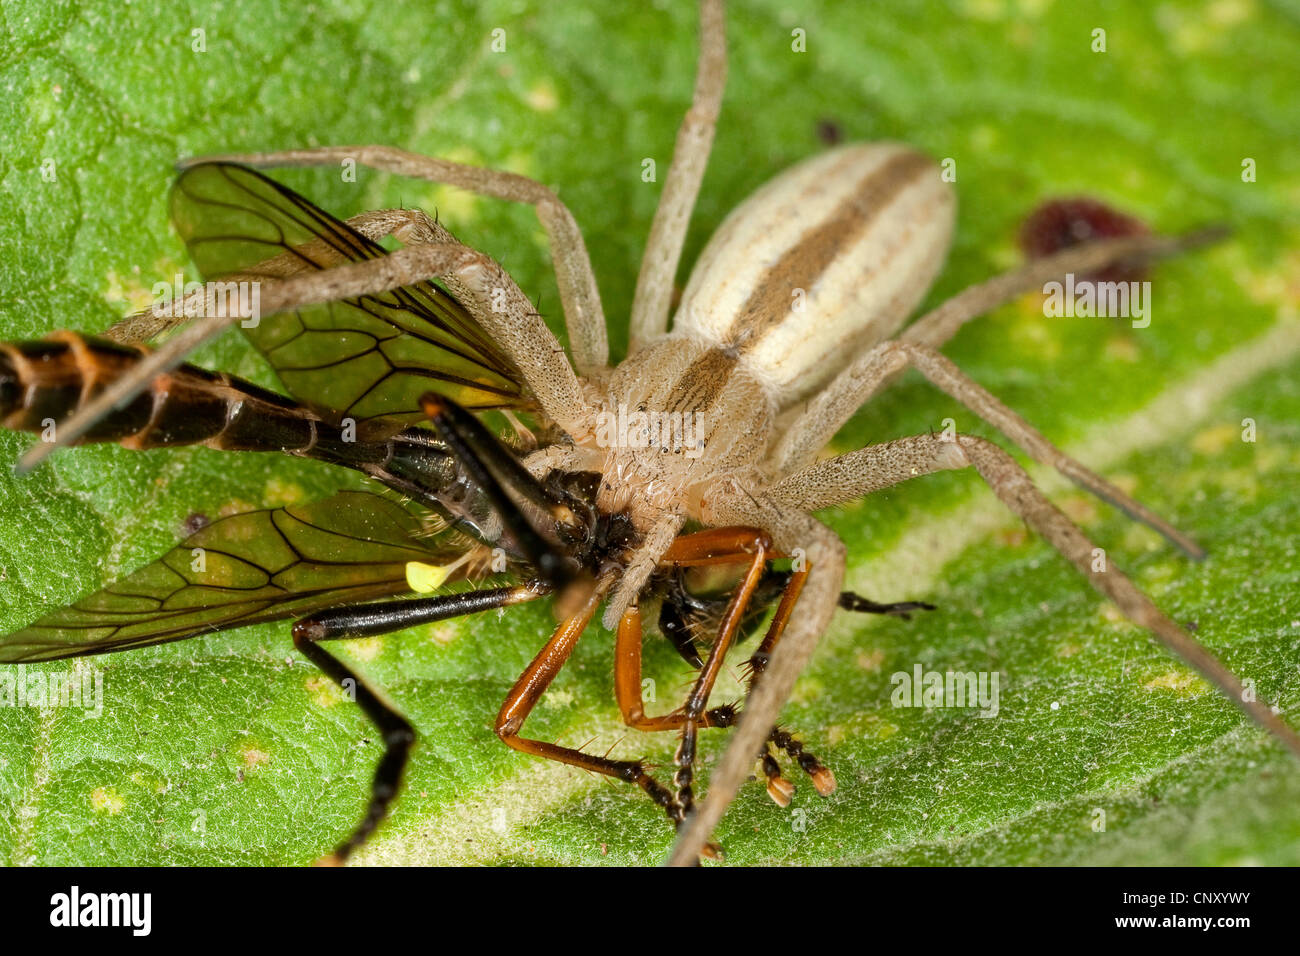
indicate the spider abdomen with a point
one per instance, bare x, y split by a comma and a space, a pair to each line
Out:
829, 257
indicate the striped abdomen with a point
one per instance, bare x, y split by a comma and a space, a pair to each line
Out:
825, 260
43, 382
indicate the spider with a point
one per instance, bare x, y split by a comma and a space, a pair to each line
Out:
795, 315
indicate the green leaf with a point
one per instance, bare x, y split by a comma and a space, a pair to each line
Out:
232, 749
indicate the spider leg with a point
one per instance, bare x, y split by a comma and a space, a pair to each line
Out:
579, 295
790, 529
514, 326
880, 466
147, 324
663, 251
943, 322
858, 383
889, 358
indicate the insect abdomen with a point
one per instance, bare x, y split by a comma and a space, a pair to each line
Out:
826, 259
43, 382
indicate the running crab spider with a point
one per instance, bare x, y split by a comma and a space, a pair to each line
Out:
787, 326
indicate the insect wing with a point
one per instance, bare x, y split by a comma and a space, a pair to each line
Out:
245, 569
368, 358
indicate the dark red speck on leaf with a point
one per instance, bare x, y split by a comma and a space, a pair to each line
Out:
1060, 223
829, 132
195, 522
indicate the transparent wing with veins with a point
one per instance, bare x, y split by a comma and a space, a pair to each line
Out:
367, 358
249, 568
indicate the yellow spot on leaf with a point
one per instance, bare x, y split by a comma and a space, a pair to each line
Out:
41, 109
522, 163
1032, 332
106, 800
366, 648
1180, 682
1125, 482
871, 660
129, 293
984, 137
543, 97
1278, 285
1161, 573
1194, 31
558, 699
1215, 439
1013, 537
254, 756
278, 493
323, 691
1136, 538
1112, 614
1034, 8
1241, 482
236, 506
155, 784
1226, 13
453, 206
1122, 347
809, 689
1021, 34
861, 727
1079, 509
443, 634
989, 11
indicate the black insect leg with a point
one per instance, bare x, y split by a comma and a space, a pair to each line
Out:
779, 789
818, 773
368, 620
491, 467
398, 734
856, 602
